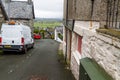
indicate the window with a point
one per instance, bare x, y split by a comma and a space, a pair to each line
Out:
79, 44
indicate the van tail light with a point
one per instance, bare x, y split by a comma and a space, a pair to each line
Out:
0, 40
22, 41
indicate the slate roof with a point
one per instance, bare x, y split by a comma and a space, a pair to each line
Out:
19, 9
3, 11
59, 29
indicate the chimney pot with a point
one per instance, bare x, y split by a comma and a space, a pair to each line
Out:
29, 1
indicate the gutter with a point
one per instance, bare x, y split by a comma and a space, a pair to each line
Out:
66, 11
66, 30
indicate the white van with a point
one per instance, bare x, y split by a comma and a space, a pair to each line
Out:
16, 37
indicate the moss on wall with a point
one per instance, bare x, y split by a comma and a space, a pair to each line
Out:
111, 32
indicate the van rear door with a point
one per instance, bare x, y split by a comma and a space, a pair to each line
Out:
11, 36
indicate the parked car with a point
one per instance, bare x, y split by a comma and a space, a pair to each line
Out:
16, 37
37, 36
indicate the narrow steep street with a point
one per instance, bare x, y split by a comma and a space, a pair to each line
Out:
40, 63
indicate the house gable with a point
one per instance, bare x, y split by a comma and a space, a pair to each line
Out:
24, 10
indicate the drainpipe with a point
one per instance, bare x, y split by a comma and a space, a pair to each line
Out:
66, 11
9, 9
113, 14
117, 14
92, 8
29, 1
66, 29
107, 14
66, 46
110, 3
73, 24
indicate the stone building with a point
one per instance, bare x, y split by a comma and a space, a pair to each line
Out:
91, 35
3, 15
21, 11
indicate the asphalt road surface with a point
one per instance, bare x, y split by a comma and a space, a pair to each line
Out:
40, 63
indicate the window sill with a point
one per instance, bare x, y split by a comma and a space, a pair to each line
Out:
111, 32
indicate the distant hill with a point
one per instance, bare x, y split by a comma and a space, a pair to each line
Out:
48, 19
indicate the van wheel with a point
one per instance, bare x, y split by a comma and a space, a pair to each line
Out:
4, 52
32, 45
25, 50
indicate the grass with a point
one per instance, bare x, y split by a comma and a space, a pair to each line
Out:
61, 59
61, 56
1, 52
46, 24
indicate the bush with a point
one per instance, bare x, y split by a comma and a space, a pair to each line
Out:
36, 31
60, 36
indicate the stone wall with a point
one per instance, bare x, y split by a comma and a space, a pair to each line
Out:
64, 9
103, 10
83, 9
75, 57
96, 10
101, 48
1, 17
27, 22
104, 49
70, 9
68, 46
31, 24
119, 12
74, 67
64, 40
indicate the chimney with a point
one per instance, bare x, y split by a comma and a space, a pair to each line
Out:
9, 1
29, 1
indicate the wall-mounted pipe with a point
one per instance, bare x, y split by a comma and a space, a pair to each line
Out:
92, 7
107, 18
66, 29
113, 12
117, 14
110, 9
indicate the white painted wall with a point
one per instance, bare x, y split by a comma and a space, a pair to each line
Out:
56, 36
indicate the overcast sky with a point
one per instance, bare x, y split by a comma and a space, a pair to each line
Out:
48, 8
